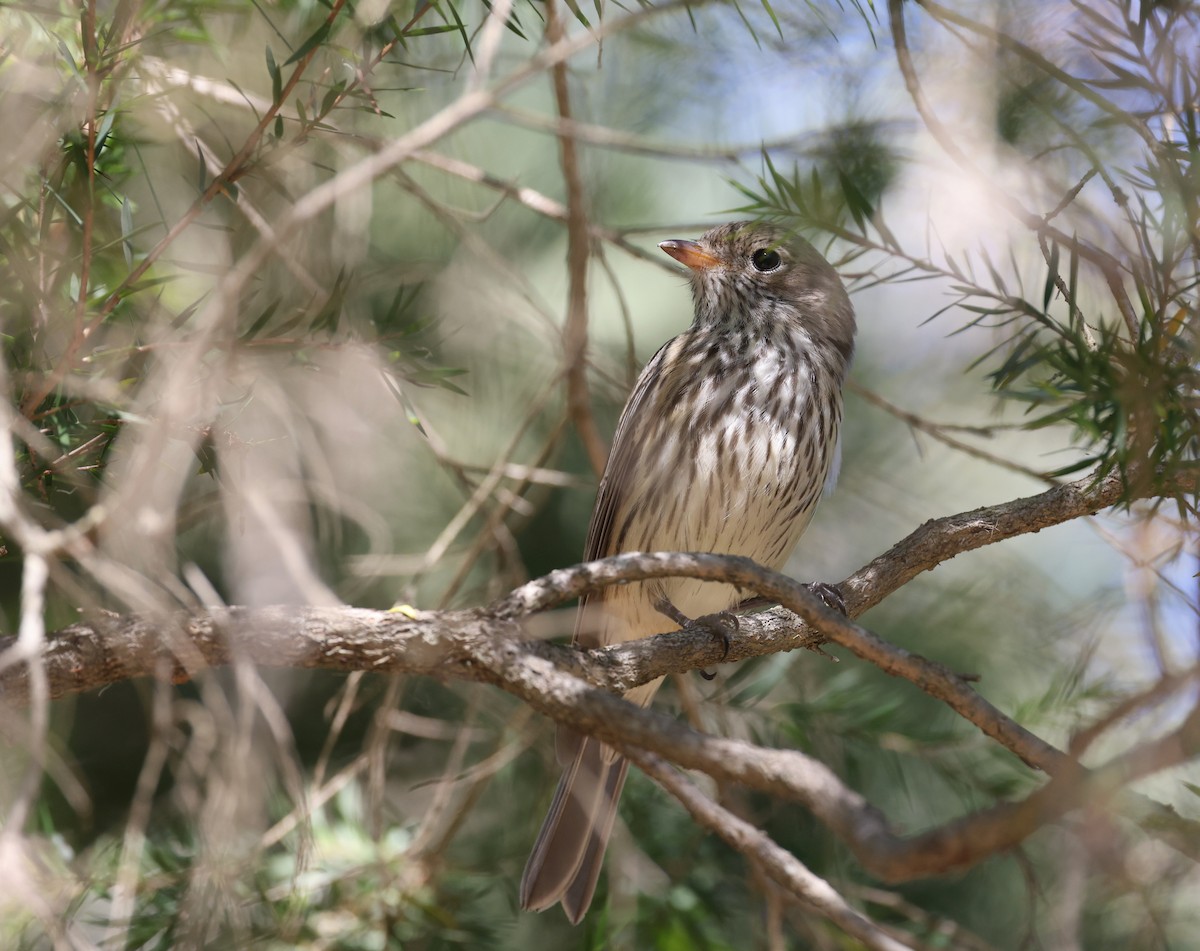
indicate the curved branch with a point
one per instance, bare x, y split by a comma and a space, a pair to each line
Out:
110, 648
488, 645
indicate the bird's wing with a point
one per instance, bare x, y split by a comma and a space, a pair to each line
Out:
835, 467
623, 460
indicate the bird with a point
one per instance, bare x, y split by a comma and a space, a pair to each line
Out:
725, 445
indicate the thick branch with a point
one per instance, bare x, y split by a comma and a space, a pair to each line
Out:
487, 645
110, 648
474, 645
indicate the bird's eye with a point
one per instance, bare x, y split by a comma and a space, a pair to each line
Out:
766, 259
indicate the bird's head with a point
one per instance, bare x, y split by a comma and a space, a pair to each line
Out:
758, 277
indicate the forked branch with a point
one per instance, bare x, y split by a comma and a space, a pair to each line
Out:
573, 687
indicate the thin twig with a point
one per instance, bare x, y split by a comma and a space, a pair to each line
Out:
1158, 692
783, 867
533, 200
939, 432
575, 330
133, 841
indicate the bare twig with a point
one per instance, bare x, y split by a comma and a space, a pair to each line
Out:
783, 867
944, 930
610, 138
939, 432
533, 200
149, 776
575, 331
1158, 692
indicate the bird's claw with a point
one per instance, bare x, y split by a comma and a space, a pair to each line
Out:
831, 595
722, 625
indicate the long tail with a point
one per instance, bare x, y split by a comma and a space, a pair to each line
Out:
565, 862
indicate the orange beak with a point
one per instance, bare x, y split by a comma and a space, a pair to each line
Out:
690, 254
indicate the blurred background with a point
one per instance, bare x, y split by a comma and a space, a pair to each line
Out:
240, 398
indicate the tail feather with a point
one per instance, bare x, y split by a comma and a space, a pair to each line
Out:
566, 859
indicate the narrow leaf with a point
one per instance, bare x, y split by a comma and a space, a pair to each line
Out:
126, 230
310, 44
276, 77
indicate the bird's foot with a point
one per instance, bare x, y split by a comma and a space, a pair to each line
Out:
722, 625
832, 598
664, 607
831, 595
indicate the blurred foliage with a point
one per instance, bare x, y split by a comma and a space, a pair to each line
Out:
84, 233
144, 118
1122, 370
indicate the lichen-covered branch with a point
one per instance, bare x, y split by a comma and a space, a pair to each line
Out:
574, 687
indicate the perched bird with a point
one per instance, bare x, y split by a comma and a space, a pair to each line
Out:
724, 446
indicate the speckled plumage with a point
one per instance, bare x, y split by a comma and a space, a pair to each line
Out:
724, 446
